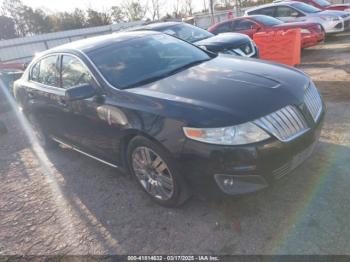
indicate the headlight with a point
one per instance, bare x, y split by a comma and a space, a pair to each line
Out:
235, 135
330, 18
305, 31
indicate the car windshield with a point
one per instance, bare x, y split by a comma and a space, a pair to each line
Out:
306, 8
188, 32
323, 3
145, 59
267, 20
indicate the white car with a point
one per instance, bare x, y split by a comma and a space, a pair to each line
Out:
331, 21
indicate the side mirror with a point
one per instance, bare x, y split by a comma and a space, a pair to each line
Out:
80, 92
295, 14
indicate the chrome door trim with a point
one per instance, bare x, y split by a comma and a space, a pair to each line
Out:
83, 153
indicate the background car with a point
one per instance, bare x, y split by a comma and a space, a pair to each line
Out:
312, 33
233, 43
9, 73
331, 21
174, 115
324, 5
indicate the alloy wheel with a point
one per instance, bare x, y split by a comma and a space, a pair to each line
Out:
153, 173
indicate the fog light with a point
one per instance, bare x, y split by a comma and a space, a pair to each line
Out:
228, 182
240, 184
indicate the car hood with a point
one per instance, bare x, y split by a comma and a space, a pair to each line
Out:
224, 41
225, 91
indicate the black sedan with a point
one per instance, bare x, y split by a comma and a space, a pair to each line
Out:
177, 117
226, 43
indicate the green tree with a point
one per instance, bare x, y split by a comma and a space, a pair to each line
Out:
7, 28
16, 10
95, 18
35, 21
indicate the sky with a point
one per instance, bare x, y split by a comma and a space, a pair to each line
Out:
100, 5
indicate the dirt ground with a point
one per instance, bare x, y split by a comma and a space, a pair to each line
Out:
64, 203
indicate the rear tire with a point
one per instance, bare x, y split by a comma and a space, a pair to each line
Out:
156, 172
41, 136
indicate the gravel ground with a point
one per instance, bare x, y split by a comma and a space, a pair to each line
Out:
60, 202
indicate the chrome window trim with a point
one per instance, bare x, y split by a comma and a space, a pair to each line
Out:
39, 58
34, 63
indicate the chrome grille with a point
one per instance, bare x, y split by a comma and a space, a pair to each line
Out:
313, 101
285, 124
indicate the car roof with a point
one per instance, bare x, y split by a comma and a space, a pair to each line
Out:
89, 44
157, 26
271, 5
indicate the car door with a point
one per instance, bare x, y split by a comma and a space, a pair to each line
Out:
87, 127
245, 26
287, 14
42, 89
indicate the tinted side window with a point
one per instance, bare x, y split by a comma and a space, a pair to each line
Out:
223, 28
74, 73
46, 71
285, 11
242, 25
264, 11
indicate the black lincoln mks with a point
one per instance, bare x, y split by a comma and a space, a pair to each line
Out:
176, 117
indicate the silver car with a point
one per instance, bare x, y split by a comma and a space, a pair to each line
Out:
331, 21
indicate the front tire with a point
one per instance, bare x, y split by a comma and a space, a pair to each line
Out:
156, 172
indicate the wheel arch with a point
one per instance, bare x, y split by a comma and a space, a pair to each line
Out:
130, 135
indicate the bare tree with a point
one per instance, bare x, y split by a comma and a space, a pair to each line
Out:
189, 7
176, 8
211, 8
134, 10
155, 9
117, 14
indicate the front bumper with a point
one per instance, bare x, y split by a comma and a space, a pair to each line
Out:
234, 170
337, 26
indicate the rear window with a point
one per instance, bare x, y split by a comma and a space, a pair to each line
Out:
306, 8
264, 11
223, 28
267, 20
323, 3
